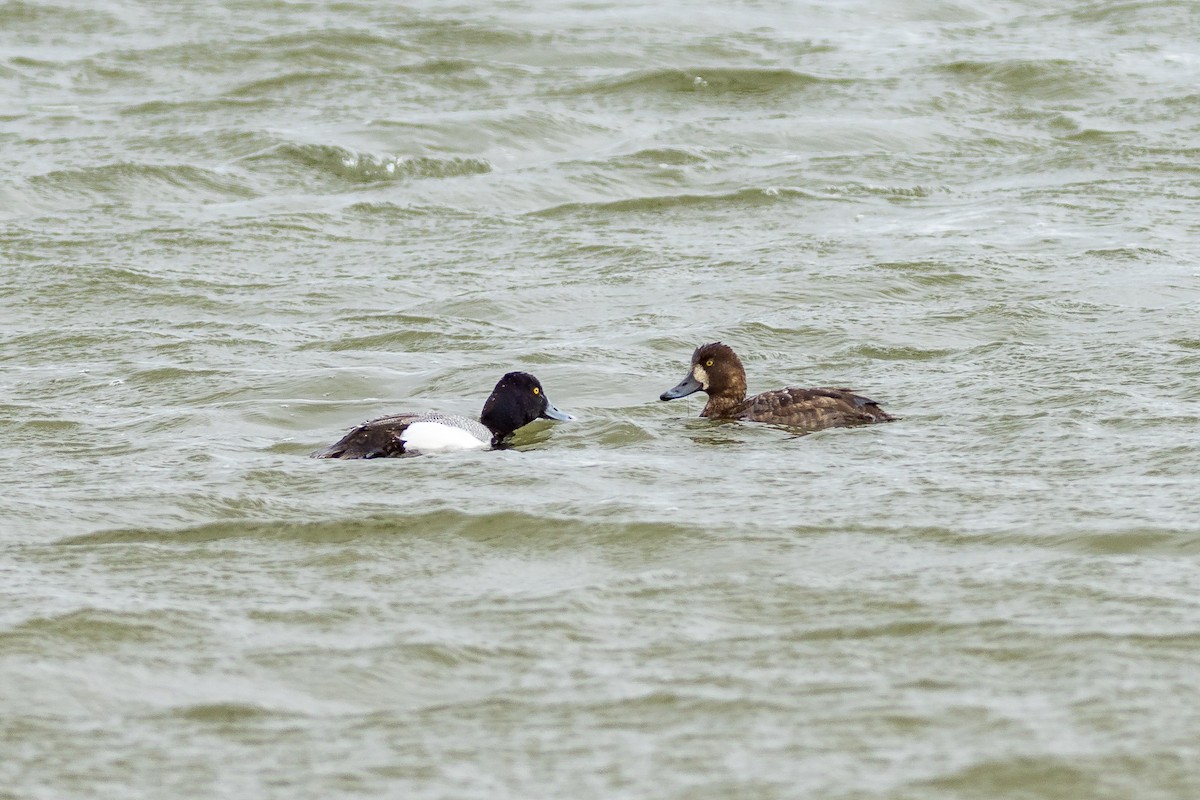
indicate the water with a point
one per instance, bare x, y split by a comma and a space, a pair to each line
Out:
229, 232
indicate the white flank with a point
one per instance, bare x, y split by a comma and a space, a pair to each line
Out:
430, 437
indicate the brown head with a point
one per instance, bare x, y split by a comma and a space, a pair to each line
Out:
716, 370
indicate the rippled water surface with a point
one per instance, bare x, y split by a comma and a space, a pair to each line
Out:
230, 231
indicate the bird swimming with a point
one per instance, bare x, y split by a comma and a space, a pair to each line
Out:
517, 400
717, 371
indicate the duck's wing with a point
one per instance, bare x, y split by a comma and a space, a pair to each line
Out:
813, 409
377, 438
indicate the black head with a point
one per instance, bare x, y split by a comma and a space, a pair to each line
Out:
517, 400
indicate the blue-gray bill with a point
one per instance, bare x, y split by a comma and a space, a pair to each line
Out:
551, 412
688, 385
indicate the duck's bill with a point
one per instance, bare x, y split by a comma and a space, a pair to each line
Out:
688, 385
551, 412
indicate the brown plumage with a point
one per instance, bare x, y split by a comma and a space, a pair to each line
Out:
376, 438
718, 371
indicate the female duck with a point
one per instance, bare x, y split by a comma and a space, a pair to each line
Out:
717, 370
517, 400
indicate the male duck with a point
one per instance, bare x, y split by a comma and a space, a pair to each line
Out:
717, 370
517, 400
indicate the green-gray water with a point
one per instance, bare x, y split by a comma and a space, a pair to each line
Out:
230, 231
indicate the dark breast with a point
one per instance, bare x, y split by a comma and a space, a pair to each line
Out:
379, 438
812, 409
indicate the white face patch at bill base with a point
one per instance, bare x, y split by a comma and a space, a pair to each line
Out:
701, 375
432, 437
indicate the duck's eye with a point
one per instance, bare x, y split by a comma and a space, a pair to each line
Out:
708, 363
536, 390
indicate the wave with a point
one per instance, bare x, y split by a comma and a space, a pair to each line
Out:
741, 197
406, 336
277, 84
40, 17
750, 197
310, 54
499, 525
717, 80
226, 713
170, 108
387, 211
1030, 776
1044, 78
1121, 541
132, 181
355, 167
322, 46
91, 629
672, 156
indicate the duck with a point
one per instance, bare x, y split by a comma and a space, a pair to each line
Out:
717, 371
517, 400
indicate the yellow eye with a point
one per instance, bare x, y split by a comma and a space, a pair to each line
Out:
708, 363
536, 390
